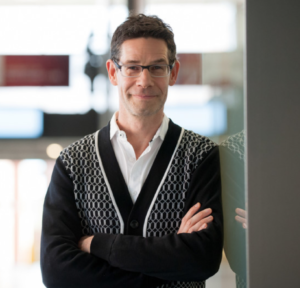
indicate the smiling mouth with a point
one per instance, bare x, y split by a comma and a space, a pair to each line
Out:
144, 96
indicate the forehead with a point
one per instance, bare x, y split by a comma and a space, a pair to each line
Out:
143, 50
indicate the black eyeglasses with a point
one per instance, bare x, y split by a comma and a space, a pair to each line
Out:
155, 70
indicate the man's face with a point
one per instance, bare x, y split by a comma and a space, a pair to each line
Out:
144, 95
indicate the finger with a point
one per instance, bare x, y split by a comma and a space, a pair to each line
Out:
191, 211
204, 226
199, 216
240, 212
198, 225
240, 219
183, 226
244, 225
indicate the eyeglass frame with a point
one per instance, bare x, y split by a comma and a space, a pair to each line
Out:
144, 67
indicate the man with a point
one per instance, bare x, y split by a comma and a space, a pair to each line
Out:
121, 206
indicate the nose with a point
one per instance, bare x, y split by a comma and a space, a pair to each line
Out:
145, 79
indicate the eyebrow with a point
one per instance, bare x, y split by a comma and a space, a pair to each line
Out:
161, 60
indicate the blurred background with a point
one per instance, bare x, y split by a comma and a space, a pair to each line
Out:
54, 89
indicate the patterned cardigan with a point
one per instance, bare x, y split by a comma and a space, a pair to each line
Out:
135, 245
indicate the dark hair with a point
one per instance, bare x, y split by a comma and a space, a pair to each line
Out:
143, 26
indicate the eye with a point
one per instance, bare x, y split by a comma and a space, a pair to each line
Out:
156, 67
133, 68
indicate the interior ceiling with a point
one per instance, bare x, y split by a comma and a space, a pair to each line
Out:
61, 2
105, 2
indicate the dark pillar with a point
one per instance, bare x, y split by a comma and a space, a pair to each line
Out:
273, 121
136, 6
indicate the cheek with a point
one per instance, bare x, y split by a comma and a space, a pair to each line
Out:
163, 85
125, 85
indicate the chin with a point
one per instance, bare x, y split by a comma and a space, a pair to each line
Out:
142, 113
146, 112
139, 110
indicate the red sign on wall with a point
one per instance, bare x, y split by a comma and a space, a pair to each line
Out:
190, 72
34, 70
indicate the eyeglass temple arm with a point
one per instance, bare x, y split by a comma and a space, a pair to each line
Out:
119, 67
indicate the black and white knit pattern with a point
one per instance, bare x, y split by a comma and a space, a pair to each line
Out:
167, 211
179, 284
93, 201
166, 214
240, 282
236, 144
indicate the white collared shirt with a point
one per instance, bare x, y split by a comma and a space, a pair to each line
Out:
135, 171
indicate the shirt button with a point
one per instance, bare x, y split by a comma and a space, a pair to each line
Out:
134, 224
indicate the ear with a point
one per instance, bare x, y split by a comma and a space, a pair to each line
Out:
174, 73
112, 72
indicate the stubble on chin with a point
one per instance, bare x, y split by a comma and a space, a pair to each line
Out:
138, 110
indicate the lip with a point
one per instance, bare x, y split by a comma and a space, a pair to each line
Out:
144, 96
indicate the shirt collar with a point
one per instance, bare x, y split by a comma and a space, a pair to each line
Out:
114, 128
161, 132
163, 128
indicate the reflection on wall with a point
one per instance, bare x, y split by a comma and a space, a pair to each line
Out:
234, 205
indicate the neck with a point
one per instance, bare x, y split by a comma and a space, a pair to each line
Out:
139, 130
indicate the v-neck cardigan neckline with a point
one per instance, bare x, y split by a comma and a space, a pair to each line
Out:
127, 210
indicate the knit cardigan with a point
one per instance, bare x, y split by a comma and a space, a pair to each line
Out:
134, 245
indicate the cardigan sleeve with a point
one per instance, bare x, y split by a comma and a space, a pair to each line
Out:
63, 264
181, 257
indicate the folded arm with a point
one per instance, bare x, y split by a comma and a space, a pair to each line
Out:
187, 256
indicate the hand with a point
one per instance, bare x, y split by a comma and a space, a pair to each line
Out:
192, 222
241, 217
84, 243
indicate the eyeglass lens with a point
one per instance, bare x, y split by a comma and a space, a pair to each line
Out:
155, 70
